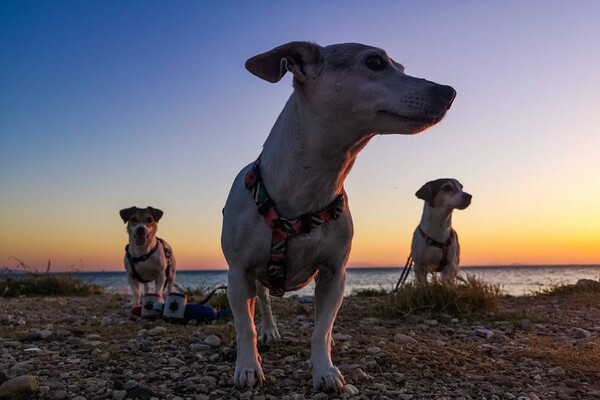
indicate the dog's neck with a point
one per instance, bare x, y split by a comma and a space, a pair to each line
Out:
138, 251
302, 167
436, 222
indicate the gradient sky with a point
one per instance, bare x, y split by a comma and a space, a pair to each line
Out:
109, 104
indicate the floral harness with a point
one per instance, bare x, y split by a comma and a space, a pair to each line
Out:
282, 228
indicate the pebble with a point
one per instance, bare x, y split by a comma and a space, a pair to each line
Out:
176, 362
350, 389
484, 333
404, 339
341, 337
213, 340
556, 371
579, 333
374, 350
156, 331
20, 384
119, 394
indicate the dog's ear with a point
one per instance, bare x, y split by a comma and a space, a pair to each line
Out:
156, 213
303, 59
429, 190
426, 193
126, 213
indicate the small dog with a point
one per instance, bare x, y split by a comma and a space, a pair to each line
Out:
435, 246
286, 220
147, 257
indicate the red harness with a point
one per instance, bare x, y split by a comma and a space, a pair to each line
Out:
444, 246
283, 228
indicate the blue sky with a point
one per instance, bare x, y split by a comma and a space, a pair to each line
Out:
109, 104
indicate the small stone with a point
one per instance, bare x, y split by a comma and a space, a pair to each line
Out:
484, 333
33, 350
578, 333
106, 321
78, 398
404, 339
5, 318
341, 337
176, 362
200, 347
431, 322
61, 394
556, 371
350, 389
93, 336
374, 350
209, 381
119, 394
130, 384
19, 384
297, 396
156, 331
213, 340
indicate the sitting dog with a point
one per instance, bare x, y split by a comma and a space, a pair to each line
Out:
286, 220
435, 246
147, 257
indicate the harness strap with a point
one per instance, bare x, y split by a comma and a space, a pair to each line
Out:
284, 228
444, 246
134, 260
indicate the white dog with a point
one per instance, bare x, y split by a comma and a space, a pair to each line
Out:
435, 246
147, 257
286, 220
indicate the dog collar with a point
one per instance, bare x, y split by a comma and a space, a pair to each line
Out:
134, 260
444, 246
284, 228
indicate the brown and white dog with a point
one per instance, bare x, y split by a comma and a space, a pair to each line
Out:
147, 257
344, 95
435, 246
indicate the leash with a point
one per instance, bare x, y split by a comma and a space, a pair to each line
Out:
282, 228
208, 296
404, 274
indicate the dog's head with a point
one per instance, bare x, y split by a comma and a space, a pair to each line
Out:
142, 223
357, 83
444, 193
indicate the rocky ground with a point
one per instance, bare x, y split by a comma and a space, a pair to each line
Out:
92, 348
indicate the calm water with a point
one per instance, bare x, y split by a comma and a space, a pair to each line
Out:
517, 280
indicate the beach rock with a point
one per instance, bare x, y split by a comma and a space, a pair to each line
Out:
404, 339
341, 337
213, 340
374, 350
156, 331
176, 362
19, 385
119, 394
589, 283
78, 398
6, 318
484, 333
579, 333
556, 371
350, 389
200, 347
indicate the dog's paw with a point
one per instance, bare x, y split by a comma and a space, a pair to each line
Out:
269, 334
248, 376
328, 379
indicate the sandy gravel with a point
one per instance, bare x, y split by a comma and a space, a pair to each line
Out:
92, 348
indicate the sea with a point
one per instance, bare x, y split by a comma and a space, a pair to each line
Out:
514, 280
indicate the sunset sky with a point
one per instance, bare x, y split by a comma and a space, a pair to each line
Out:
110, 104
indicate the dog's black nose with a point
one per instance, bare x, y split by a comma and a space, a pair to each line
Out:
140, 230
444, 93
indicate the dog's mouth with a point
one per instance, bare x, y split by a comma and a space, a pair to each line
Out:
140, 239
429, 120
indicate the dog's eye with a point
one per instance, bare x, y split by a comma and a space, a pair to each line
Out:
375, 63
150, 220
133, 220
447, 188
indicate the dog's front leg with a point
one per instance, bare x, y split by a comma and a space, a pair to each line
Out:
136, 294
268, 328
159, 284
329, 293
241, 293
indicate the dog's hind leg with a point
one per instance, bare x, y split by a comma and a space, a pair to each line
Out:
329, 293
241, 293
268, 328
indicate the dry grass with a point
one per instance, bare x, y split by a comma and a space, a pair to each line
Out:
577, 361
472, 298
24, 280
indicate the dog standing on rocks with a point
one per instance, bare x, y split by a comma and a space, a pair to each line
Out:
286, 219
147, 257
435, 246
